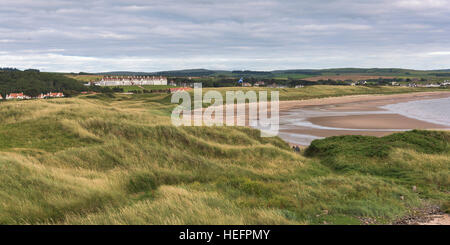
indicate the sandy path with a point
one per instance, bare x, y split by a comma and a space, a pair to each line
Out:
439, 219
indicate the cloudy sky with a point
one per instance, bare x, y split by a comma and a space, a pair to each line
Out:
147, 35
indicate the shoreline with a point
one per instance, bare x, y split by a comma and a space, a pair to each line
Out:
305, 120
380, 98
302, 121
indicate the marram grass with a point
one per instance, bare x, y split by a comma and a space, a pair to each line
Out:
117, 160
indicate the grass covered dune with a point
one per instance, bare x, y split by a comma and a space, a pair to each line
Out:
117, 160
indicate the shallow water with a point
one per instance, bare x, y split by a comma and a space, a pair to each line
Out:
433, 111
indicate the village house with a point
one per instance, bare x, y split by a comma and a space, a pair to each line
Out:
50, 95
174, 90
22, 96
275, 85
131, 80
17, 96
55, 95
260, 83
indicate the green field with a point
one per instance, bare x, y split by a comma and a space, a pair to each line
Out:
323, 91
116, 159
146, 87
85, 78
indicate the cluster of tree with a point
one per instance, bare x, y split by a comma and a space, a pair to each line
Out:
388, 81
8, 69
107, 90
231, 82
32, 83
206, 82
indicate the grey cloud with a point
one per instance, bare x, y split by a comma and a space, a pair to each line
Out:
159, 35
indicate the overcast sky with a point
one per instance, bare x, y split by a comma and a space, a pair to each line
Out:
146, 35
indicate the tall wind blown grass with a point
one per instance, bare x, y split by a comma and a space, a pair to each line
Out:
115, 159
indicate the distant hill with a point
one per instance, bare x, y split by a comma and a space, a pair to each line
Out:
297, 73
188, 72
124, 73
174, 73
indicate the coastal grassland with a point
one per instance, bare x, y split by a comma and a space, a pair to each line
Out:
116, 159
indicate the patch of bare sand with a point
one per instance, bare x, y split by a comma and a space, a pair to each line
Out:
439, 219
361, 102
373, 121
365, 124
356, 103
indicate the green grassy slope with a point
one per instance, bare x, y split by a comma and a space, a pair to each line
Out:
115, 159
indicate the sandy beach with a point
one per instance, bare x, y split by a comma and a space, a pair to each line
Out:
303, 121
361, 102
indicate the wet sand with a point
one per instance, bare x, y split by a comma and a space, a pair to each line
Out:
303, 121
373, 121
360, 102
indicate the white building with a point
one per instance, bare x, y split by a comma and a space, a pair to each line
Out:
17, 96
132, 80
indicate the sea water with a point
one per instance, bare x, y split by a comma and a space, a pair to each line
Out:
434, 111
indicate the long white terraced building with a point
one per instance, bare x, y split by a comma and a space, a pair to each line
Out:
132, 80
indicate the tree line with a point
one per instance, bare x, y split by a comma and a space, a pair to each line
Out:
33, 83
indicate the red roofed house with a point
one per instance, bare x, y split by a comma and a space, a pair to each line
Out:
16, 96
50, 95
55, 95
174, 90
